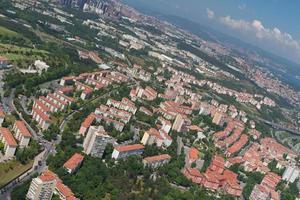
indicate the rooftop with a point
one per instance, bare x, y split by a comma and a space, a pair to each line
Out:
74, 161
132, 147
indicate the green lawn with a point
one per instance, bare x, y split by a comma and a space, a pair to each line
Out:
11, 170
22, 56
7, 32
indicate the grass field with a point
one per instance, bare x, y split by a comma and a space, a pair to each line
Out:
11, 170
7, 32
22, 56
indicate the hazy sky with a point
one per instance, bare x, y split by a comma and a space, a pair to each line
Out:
271, 24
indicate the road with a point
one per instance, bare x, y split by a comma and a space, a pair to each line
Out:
39, 164
278, 126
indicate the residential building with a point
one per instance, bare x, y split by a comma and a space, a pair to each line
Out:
125, 104
290, 174
21, 133
156, 161
218, 118
193, 174
48, 183
181, 123
10, 145
3, 62
42, 187
148, 93
41, 118
2, 116
86, 124
153, 136
73, 163
266, 189
192, 155
95, 141
63, 191
127, 150
259, 192
166, 125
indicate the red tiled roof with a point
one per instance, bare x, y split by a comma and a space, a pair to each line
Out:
271, 180
157, 158
194, 172
89, 120
129, 147
2, 114
64, 190
193, 153
48, 176
41, 105
235, 160
10, 140
51, 103
74, 161
65, 97
2, 58
238, 145
194, 128
66, 89
22, 128
52, 97
41, 114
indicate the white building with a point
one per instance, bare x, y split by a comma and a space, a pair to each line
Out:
290, 174
21, 133
95, 141
42, 187
127, 150
10, 145
41, 66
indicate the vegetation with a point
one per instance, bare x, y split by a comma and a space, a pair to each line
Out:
290, 193
27, 154
12, 169
19, 193
252, 179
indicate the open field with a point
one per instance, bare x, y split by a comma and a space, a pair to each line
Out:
21, 56
7, 32
11, 170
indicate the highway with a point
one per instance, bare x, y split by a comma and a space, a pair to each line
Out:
278, 126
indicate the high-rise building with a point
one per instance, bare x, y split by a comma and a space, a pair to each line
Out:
95, 141
66, 2
42, 187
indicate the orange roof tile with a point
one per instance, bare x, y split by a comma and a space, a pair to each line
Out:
89, 120
64, 190
194, 172
193, 153
74, 161
8, 137
41, 105
22, 128
157, 158
48, 176
2, 114
132, 147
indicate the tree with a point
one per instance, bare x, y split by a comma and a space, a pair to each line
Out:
253, 178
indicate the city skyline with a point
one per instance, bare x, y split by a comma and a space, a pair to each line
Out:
245, 20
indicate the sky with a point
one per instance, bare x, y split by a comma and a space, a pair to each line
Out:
270, 24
